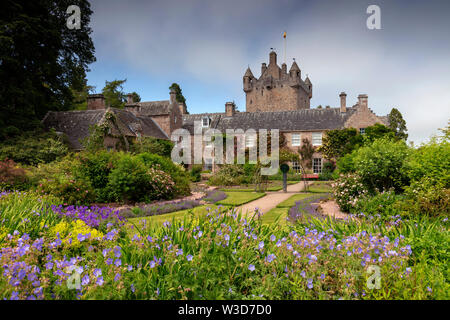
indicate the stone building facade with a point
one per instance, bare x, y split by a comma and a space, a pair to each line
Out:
156, 119
276, 89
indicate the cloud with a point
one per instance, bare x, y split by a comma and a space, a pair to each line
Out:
210, 43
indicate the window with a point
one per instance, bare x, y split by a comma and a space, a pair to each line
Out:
296, 167
250, 141
317, 138
296, 139
205, 122
362, 130
317, 165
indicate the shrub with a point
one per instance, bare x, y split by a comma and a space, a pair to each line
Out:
383, 204
428, 198
152, 145
68, 189
12, 177
176, 172
34, 147
327, 171
346, 163
382, 165
195, 173
228, 175
131, 180
347, 190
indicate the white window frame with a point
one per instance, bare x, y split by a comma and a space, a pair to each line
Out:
317, 167
316, 137
362, 130
298, 138
296, 167
208, 120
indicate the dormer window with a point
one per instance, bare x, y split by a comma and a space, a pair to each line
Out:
206, 121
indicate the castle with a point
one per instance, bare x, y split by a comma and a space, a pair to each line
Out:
276, 89
277, 100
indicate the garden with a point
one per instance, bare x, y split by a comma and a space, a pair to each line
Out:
66, 235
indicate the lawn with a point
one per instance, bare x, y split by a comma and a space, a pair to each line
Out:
276, 213
292, 200
272, 186
233, 199
319, 187
239, 198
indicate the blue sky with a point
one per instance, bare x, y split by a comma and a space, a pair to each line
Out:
205, 46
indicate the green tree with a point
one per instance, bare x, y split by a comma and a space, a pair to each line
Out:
180, 98
340, 142
80, 96
378, 131
397, 124
136, 97
114, 94
40, 60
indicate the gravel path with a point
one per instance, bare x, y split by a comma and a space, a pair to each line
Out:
271, 200
332, 209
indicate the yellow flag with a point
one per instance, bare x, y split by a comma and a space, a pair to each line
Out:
284, 35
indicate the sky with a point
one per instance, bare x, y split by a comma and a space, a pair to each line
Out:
206, 45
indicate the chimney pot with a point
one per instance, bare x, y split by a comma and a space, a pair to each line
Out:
363, 100
130, 98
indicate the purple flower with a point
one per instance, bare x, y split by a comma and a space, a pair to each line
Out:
118, 262
189, 257
273, 238
251, 267
261, 245
99, 281
310, 283
85, 280
117, 277
179, 252
97, 272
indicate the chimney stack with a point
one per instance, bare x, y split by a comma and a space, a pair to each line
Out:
130, 98
343, 97
183, 108
362, 100
173, 96
95, 102
230, 109
284, 68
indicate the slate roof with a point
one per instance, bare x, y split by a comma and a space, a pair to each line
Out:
152, 108
298, 120
76, 124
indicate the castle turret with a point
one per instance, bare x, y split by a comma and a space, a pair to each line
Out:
263, 68
248, 76
284, 69
309, 85
294, 72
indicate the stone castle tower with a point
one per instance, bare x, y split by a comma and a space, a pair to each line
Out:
276, 89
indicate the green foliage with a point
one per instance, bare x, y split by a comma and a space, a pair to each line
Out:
382, 165
195, 173
346, 163
378, 131
132, 180
12, 177
228, 175
136, 97
69, 190
179, 95
152, 145
113, 93
397, 124
27, 212
381, 204
34, 147
177, 172
339, 142
327, 171
41, 60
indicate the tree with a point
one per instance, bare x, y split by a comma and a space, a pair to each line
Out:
113, 93
378, 131
180, 98
306, 152
136, 97
40, 59
80, 96
340, 142
397, 124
